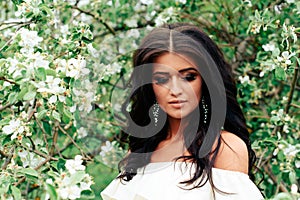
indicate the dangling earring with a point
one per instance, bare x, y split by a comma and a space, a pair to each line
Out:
155, 112
204, 105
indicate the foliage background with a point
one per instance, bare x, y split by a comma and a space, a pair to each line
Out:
62, 65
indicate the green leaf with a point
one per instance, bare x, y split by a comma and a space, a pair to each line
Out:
283, 196
2, 62
29, 95
40, 73
6, 140
276, 52
61, 164
12, 97
275, 119
67, 116
292, 177
56, 115
29, 171
51, 191
41, 114
280, 156
77, 177
16, 192
280, 73
21, 94
60, 107
87, 194
50, 72
276, 169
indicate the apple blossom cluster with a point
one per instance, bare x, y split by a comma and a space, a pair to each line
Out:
73, 67
28, 6
29, 40
70, 183
17, 128
251, 85
53, 86
169, 14
111, 154
279, 117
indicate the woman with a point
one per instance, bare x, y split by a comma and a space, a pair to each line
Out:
194, 143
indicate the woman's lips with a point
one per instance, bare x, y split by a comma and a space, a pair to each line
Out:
177, 103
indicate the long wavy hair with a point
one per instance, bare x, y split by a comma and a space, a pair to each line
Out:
165, 40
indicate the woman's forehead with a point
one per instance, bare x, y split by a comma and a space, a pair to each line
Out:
172, 61
165, 69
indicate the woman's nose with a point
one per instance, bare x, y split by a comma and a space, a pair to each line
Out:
175, 87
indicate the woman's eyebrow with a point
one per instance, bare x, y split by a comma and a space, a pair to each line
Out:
162, 73
180, 71
187, 69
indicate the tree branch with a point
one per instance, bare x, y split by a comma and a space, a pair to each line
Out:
8, 158
43, 131
282, 187
36, 168
73, 141
5, 79
98, 18
292, 89
4, 107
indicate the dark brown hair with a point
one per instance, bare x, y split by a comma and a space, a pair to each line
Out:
182, 39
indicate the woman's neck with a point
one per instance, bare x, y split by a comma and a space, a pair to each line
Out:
176, 127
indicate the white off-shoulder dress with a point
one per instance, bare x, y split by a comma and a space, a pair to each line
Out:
161, 181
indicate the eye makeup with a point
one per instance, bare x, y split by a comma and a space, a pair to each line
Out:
187, 74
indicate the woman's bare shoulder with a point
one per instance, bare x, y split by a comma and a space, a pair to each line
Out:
233, 153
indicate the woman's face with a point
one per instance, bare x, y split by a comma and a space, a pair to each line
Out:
176, 84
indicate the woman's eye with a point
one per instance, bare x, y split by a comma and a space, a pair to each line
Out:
160, 80
190, 77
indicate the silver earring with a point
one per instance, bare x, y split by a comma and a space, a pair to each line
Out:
155, 112
204, 105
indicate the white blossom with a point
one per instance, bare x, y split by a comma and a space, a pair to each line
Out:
133, 33
52, 99
290, 151
297, 163
244, 79
108, 147
294, 189
285, 57
255, 28
160, 20
290, 1
75, 165
110, 69
13, 128
52, 85
85, 100
69, 192
147, 2
82, 132
29, 39
30, 159
38, 60
94, 52
278, 8
76, 67
248, 2
286, 128
73, 108
131, 22
269, 47
86, 183
181, 1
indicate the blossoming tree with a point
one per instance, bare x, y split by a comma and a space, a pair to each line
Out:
63, 67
